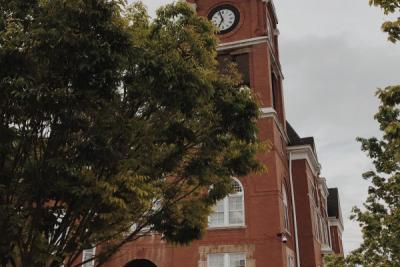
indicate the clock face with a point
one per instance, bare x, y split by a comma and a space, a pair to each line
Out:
225, 18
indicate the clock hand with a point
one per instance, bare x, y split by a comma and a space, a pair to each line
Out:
222, 18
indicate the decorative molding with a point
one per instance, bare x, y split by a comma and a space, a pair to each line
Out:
242, 43
273, 8
333, 221
270, 112
307, 153
322, 183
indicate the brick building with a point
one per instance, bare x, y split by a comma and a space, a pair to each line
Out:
335, 220
278, 218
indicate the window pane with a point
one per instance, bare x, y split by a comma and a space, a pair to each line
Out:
219, 207
237, 260
236, 187
86, 255
216, 218
236, 210
216, 260
235, 217
235, 203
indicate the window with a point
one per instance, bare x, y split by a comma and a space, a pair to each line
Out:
286, 208
230, 210
227, 260
242, 64
88, 254
290, 261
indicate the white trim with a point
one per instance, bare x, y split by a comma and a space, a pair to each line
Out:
294, 212
307, 153
273, 8
326, 249
322, 183
242, 43
92, 262
226, 207
227, 258
270, 112
333, 221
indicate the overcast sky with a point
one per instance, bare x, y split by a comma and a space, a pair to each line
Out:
334, 56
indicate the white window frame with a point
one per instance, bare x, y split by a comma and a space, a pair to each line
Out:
226, 208
227, 258
84, 258
286, 217
290, 260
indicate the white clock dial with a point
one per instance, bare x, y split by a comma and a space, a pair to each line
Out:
224, 18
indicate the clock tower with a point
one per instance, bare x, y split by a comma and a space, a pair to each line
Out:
255, 226
248, 36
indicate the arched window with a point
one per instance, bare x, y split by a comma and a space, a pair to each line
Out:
230, 210
140, 263
285, 208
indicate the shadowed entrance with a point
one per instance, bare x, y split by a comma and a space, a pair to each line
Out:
140, 263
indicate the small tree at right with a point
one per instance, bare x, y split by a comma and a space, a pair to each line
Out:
380, 217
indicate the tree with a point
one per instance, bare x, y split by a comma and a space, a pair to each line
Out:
392, 27
379, 220
334, 260
112, 123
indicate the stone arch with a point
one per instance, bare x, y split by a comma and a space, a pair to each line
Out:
140, 263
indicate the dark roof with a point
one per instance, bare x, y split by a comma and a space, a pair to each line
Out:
296, 140
333, 203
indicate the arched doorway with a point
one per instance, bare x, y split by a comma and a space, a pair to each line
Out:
140, 263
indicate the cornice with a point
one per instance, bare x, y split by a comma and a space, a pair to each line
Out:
307, 153
270, 112
242, 43
333, 221
271, 2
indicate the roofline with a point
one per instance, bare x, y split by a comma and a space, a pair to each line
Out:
306, 152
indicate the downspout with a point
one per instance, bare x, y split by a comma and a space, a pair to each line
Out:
294, 211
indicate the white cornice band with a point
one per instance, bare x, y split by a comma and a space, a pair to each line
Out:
307, 153
242, 43
271, 113
333, 221
273, 8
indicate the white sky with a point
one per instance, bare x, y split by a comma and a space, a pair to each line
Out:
334, 56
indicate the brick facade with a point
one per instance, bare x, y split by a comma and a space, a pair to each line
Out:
285, 208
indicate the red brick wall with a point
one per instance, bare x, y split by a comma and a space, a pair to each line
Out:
336, 240
262, 192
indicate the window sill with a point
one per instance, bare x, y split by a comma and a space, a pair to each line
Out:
226, 227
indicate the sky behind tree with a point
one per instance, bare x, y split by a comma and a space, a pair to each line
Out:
334, 57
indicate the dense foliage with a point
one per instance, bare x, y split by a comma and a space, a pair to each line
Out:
380, 217
112, 123
392, 27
